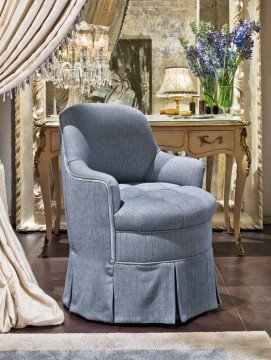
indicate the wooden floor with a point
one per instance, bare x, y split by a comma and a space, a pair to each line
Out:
244, 284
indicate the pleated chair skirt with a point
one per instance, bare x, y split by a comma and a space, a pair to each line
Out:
152, 290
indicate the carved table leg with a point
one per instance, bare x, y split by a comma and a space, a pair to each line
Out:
227, 187
55, 170
44, 181
243, 165
239, 190
209, 173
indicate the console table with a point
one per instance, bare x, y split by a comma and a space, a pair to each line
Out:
199, 138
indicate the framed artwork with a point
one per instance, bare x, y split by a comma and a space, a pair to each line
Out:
131, 72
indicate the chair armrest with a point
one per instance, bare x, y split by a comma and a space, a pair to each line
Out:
178, 170
79, 170
90, 199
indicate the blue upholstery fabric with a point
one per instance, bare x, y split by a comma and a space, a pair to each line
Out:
139, 251
180, 170
109, 139
91, 247
145, 293
162, 206
170, 245
80, 168
158, 292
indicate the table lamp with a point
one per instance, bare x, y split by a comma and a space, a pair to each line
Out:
177, 84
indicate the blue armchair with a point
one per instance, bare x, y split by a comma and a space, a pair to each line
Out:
139, 224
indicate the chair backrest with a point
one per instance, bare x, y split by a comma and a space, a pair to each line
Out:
114, 139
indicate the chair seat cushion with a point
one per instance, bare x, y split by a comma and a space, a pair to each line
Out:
148, 207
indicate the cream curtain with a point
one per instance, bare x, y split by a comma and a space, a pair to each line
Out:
22, 302
30, 31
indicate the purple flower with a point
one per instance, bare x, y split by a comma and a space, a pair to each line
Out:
219, 53
242, 37
197, 55
198, 61
219, 47
228, 48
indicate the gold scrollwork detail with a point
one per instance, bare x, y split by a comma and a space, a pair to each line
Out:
40, 146
245, 148
204, 140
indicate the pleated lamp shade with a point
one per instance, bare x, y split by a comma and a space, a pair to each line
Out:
178, 81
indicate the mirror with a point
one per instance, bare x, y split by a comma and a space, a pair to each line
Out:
142, 52
215, 11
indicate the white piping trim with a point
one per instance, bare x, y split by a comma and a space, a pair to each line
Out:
110, 207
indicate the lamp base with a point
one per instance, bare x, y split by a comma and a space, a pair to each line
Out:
178, 100
176, 111
169, 111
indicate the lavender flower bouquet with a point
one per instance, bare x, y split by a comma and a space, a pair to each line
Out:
216, 56
227, 49
198, 59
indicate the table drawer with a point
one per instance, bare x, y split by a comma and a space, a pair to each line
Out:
169, 138
200, 142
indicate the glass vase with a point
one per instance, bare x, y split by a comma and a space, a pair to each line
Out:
225, 97
208, 99
225, 89
208, 90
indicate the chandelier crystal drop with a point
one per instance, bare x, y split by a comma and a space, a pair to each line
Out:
84, 64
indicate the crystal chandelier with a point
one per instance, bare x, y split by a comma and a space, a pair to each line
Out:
84, 64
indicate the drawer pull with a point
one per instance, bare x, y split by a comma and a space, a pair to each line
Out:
204, 140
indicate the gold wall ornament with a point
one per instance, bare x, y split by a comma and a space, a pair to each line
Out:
259, 114
245, 148
40, 141
17, 117
39, 105
204, 140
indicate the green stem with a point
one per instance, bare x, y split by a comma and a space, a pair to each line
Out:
224, 64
